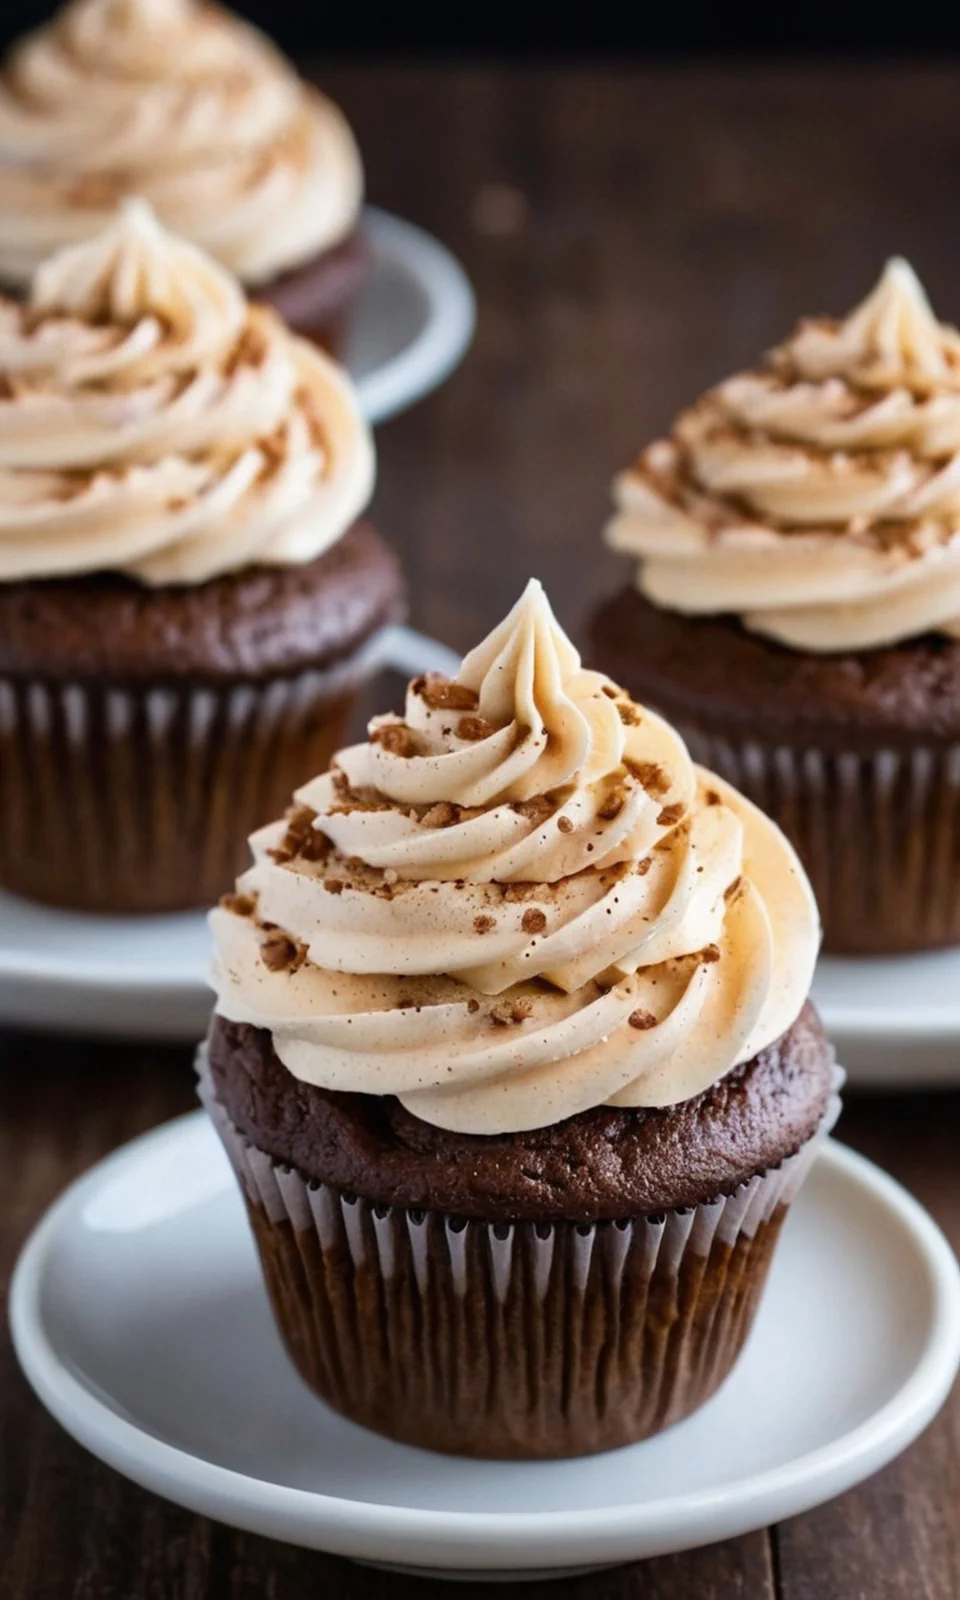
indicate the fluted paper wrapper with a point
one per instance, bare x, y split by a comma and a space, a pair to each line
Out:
509, 1340
141, 798
878, 833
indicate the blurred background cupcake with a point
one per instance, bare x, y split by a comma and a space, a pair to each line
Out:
797, 605
193, 109
514, 1060
187, 597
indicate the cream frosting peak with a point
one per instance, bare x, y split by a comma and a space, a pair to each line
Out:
154, 423
136, 15
135, 270
186, 105
892, 338
550, 719
818, 497
516, 901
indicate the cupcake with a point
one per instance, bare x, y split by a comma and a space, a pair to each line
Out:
513, 1057
185, 105
188, 600
797, 605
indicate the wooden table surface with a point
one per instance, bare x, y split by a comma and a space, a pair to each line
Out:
632, 235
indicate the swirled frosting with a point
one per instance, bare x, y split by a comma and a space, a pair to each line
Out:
153, 422
185, 105
518, 901
819, 496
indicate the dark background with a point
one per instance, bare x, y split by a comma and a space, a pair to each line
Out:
628, 28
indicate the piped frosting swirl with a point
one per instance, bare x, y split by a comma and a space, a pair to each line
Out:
152, 422
518, 901
819, 496
185, 105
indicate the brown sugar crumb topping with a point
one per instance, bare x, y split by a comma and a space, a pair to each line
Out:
651, 776
710, 953
643, 867
302, 841
242, 905
474, 728
396, 738
629, 715
484, 924
274, 448
473, 1006
443, 815
510, 1011
641, 1020
564, 824
249, 350
534, 920
670, 815
333, 885
613, 803
536, 810
281, 953
519, 891
713, 799
444, 694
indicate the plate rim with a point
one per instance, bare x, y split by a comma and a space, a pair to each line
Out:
464, 1539
442, 342
853, 1017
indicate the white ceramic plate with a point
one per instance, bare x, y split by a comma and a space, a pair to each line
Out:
895, 1020
414, 321
139, 1317
138, 977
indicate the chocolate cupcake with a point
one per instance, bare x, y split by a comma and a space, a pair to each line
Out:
188, 107
797, 606
513, 1059
187, 600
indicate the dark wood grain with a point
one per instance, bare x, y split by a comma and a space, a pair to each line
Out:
631, 235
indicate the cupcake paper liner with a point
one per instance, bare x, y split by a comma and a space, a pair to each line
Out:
879, 834
509, 1340
141, 798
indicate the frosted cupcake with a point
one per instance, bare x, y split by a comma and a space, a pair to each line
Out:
513, 1056
194, 110
797, 605
188, 600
